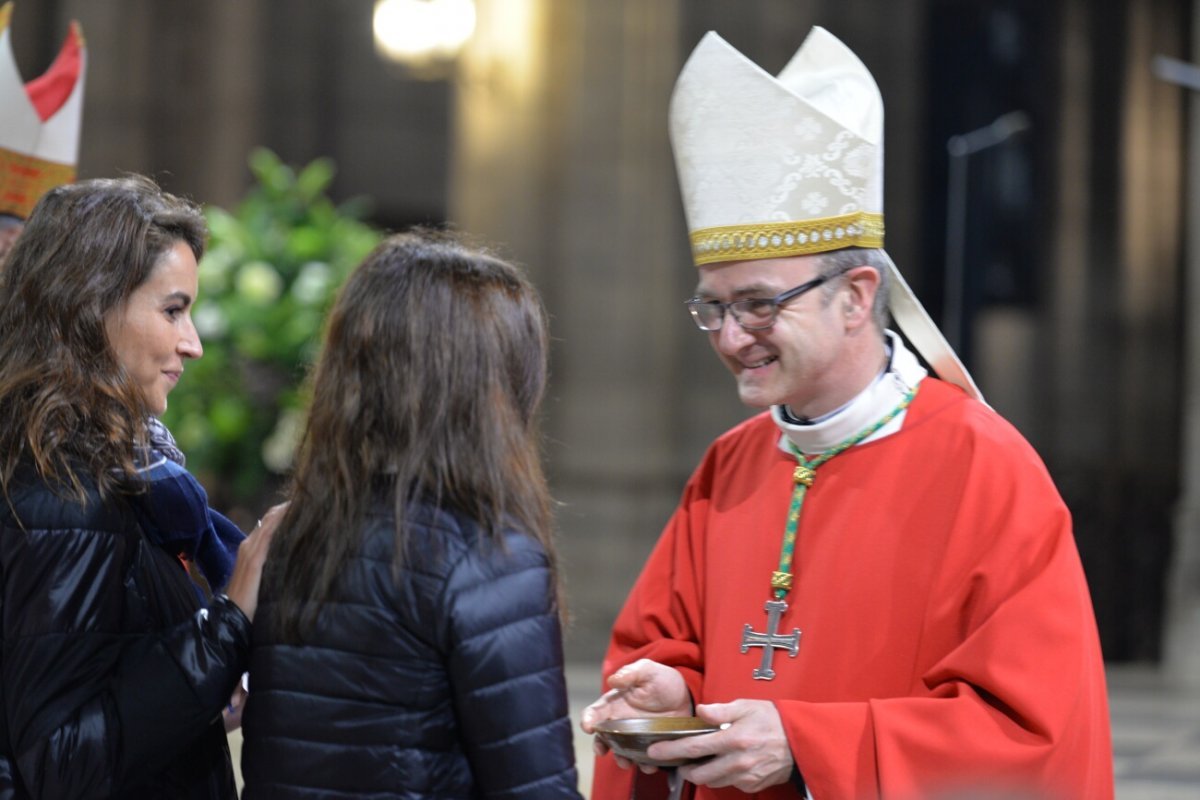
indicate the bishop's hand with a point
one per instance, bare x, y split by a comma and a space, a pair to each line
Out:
750, 755
644, 688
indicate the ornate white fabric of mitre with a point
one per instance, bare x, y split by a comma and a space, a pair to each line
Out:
755, 151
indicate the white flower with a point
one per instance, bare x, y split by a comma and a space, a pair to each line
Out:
259, 282
209, 320
312, 283
279, 449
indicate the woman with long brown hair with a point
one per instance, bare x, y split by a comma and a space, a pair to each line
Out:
409, 642
113, 676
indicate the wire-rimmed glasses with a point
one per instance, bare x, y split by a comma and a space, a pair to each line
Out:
753, 314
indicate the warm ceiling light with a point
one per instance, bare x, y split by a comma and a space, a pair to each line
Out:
421, 32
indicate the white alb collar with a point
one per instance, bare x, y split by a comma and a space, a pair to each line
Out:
902, 374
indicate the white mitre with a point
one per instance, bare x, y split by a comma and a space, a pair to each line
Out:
38, 149
773, 167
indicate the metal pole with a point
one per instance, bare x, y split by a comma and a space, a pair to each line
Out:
956, 232
960, 148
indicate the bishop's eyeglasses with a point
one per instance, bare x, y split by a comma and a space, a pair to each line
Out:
753, 314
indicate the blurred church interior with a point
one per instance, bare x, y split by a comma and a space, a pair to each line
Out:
1041, 191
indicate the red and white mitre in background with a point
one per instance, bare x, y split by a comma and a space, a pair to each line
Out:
40, 121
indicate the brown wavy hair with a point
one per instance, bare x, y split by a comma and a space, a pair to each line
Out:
427, 390
66, 405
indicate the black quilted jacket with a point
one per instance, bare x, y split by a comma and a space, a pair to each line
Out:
112, 677
446, 683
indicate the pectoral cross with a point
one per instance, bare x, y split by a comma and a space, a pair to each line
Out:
770, 640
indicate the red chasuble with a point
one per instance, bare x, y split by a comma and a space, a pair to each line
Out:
948, 643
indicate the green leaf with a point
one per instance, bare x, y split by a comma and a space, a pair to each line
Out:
314, 179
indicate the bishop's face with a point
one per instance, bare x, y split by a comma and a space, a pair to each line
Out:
152, 333
795, 362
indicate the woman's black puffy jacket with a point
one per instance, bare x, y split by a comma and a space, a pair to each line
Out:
446, 683
113, 676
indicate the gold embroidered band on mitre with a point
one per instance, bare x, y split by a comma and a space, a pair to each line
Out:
26, 179
782, 239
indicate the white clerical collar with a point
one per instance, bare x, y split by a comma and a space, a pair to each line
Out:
902, 373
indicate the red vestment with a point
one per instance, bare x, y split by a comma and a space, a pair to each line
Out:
948, 642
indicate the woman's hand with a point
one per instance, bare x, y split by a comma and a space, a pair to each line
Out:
252, 554
237, 703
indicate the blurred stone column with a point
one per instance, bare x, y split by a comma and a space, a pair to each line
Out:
1182, 648
1149, 390
177, 98
561, 157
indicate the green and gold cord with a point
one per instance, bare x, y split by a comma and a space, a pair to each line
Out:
803, 476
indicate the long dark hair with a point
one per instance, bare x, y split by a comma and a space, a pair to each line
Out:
66, 405
428, 386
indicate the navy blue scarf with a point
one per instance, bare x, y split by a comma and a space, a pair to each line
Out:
175, 515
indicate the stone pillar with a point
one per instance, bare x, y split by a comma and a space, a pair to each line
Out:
1068, 315
229, 112
561, 156
1181, 661
172, 92
1111, 354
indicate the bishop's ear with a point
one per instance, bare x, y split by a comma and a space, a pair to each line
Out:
861, 285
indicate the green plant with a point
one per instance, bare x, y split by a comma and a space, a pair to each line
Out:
272, 268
